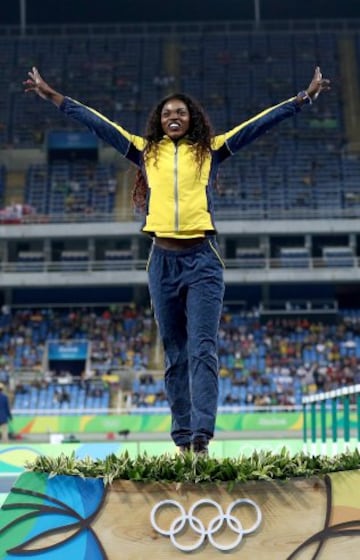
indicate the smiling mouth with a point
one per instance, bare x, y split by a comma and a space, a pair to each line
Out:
174, 126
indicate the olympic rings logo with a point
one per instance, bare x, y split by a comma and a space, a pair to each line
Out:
214, 526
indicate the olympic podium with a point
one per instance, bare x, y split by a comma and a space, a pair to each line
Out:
75, 517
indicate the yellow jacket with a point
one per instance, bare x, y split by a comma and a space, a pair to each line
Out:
179, 200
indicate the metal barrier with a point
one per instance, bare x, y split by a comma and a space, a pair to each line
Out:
331, 421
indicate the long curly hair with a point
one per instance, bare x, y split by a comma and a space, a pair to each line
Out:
199, 133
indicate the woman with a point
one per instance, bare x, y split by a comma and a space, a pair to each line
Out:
5, 415
178, 160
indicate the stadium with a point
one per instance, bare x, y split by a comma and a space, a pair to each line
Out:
81, 358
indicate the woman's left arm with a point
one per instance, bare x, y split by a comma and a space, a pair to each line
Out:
248, 131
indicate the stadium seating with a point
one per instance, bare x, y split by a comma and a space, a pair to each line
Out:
30, 261
261, 364
71, 188
119, 338
250, 258
338, 256
118, 259
294, 257
104, 72
51, 398
278, 362
291, 171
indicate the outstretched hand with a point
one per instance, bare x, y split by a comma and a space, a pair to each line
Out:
317, 84
35, 83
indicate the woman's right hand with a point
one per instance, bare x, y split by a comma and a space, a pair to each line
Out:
36, 84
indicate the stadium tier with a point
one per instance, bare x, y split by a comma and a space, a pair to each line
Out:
79, 187
303, 168
82, 359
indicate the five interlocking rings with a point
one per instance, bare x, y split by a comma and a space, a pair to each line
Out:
215, 525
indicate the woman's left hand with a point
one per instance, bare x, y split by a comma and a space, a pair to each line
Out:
317, 85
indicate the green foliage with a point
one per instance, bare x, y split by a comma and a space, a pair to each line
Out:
262, 465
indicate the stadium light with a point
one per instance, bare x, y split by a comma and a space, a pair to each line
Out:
257, 14
22, 7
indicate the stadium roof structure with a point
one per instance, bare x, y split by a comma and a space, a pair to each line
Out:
82, 11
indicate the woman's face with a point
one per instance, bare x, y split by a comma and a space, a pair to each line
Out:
175, 118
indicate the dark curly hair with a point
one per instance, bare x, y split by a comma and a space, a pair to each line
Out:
199, 133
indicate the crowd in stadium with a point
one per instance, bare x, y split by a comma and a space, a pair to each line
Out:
277, 362
261, 363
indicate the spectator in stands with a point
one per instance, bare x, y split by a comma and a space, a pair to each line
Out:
5, 414
146, 379
21, 389
61, 396
177, 162
97, 390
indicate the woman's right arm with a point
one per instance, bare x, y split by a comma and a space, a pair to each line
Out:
129, 145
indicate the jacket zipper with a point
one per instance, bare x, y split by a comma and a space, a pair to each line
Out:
176, 190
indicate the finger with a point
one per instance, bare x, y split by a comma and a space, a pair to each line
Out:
317, 74
37, 76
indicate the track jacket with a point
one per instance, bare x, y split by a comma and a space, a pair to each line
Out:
179, 200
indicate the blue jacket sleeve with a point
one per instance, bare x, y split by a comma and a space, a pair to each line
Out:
129, 145
248, 131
